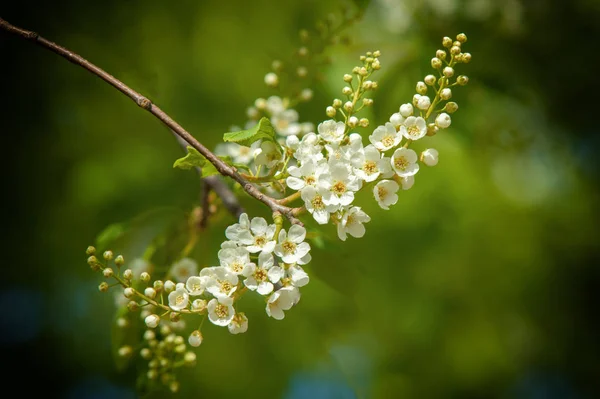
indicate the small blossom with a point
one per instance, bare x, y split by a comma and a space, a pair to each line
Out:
221, 282
331, 131
263, 236
443, 120
313, 199
423, 103
240, 232
262, 278
285, 123
404, 162
179, 299
221, 312
406, 110
268, 154
297, 276
271, 79
385, 193
183, 269
414, 128
195, 338
239, 324
396, 120
352, 223
385, 137
306, 175
291, 247
309, 148
195, 285
235, 259
340, 184
152, 321
369, 164
430, 157
281, 300
407, 182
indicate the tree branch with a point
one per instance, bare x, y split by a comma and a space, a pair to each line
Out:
146, 104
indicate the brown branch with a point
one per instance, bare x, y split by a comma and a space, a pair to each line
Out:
146, 104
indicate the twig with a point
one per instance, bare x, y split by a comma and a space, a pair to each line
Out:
146, 104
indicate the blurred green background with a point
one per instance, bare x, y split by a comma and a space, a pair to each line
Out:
481, 283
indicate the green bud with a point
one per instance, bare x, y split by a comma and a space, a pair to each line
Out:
90, 250
462, 80
103, 287
461, 37
119, 260
447, 42
133, 306
108, 255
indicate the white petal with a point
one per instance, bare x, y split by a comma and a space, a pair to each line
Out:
296, 233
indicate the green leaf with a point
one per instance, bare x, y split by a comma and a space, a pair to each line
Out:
209, 169
121, 336
192, 159
263, 130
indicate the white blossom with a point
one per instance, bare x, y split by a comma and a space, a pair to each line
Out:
430, 157
234, 259
281, 300
195, 338
352, 223
407, 182
385, 137
221, 282
291, 247
268, 154
263, 236
306, 175
443, 120
297, 276
196, 285
414, 128
313, 199
423, 103
331, 131
369, 164
220, 311
285, 122
406, 110
340, 184
396, 120
240, 232
404, 162
309, 148
152, 321
385, 193
271, 79
183, 269
262, 277
179, 299
275, 105
239, 324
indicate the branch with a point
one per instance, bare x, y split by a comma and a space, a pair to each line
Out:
146, 104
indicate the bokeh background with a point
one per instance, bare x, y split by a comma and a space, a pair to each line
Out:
481, 283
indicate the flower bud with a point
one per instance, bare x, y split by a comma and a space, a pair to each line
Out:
432, 129
303, 51
158, 285
174, 386
195, 338
367, 102
376, 53
456, 43
347, 91
260, 104
180, 348
441, 54
125, 351
108, 255
119, 260
462, 80
152, 321
175, 317
423, 103
347, 78
363, 122
302, 71
145, 353
455, 50
446, 94
189, 358
443, 120
306, 94
416, 99
93, 262
103, 287
451, 107
363, 71
145, 277
376, 65
447, 42
436, 63
129, 292
352, 121
152, 374
199, 304
448, 72
367, 85
337, 103
348, 106
169, 286
149, 335
108, 272
330, 111
128, 274
133, 306
90, 250
406, 110
466, 58
165, 330
355, 70
429, 157
276, 65
421, 88
150, 292
461, 37
430, 80
271, 79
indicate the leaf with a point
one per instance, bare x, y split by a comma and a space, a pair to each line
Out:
121, 336
191, 160
209, 169
263, 130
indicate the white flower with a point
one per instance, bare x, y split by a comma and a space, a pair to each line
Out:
239, 324
183, 269
414, 128
385, 137
396, 120
238, 153
292, 142
196, 285
406, 110
341, 185
221, 282
291, 247
443, 120
234, 259
271, 79
331, 131
369, 164
407, 182
275, 105
285, 123
240, 232
268, 154
385, 193
423, 103
313, 198
309, 148
297, 276
179, 299
263, 236
221, 312
262, 278
152, 321
195, 338
352, 223
280, 300
404, 162
430, 157
306, 175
